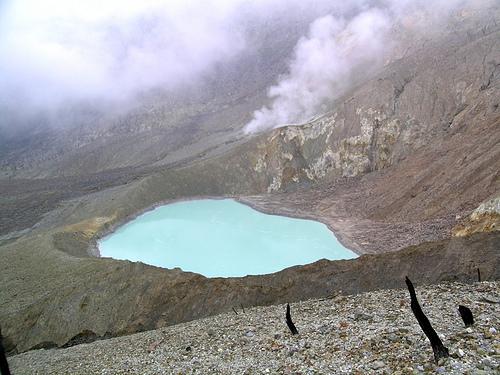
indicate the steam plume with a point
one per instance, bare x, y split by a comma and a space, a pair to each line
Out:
323, 65
354, 40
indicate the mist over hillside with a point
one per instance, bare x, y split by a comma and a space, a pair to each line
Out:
67, 55
67, 52
51, 109
166, 75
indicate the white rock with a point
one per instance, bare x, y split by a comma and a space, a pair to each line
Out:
377, 365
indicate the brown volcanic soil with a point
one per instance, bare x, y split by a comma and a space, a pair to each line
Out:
25, 201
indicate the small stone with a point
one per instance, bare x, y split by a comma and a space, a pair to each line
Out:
480, 372
292, 350
493, 331
440, 370
442, 361
361, 316
377, 365
461, 353
392, 337
420, 368
486, 362
154, 345
211, 332
275, 346
323, 329
249, 334
468, 330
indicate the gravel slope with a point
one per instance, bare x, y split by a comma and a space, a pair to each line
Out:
367, 333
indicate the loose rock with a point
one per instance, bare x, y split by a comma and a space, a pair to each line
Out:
330, 340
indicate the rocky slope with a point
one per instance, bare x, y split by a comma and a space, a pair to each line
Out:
55, 298
392, 168
369, 333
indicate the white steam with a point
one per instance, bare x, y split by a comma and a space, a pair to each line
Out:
322, 66
338, 48
58, 51
55, 51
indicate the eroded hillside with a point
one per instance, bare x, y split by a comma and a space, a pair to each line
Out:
391, 167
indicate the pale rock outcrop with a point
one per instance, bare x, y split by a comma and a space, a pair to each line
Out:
485, 218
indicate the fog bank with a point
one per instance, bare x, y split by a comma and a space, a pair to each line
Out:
55, 52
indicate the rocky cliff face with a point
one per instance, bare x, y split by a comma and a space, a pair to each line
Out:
425, 98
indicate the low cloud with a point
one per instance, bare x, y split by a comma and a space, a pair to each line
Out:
57, 51
52, 51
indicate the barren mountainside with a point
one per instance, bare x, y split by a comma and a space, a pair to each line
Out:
395, 166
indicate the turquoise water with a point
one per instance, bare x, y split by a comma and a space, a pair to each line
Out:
221, 238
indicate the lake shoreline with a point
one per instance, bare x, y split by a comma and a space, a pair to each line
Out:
259, 243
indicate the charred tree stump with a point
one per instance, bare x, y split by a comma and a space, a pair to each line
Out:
478, 274
289, 322
440, 351
4, 366
466, 315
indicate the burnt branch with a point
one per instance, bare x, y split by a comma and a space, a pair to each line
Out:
478, 274
289, 322
466, 315
440, 351
4, 365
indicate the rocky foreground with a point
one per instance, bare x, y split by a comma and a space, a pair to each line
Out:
368, 333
